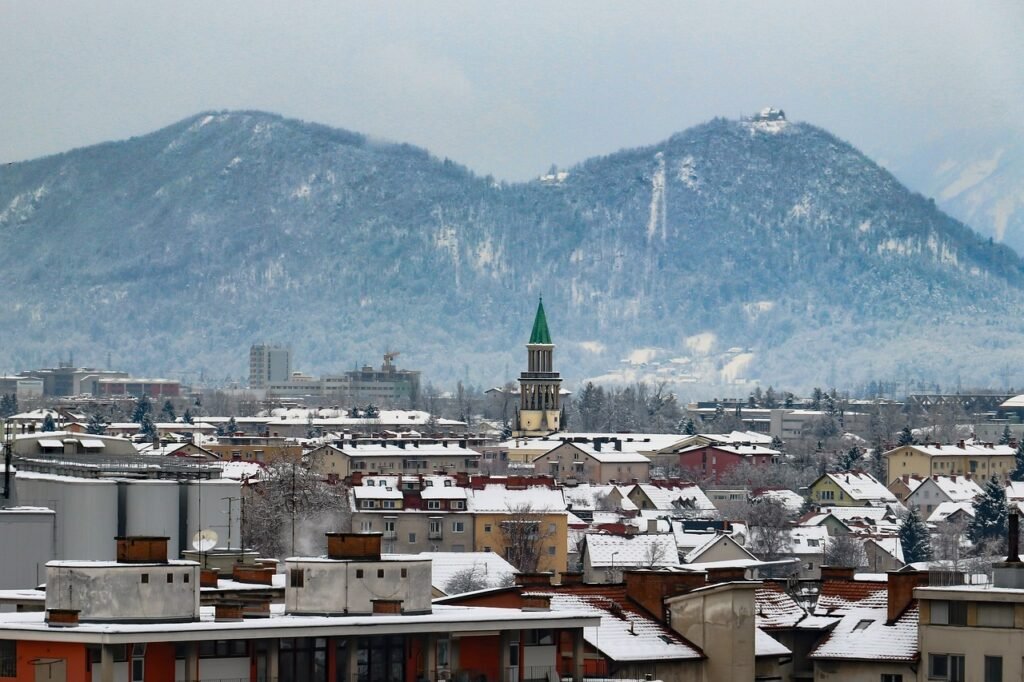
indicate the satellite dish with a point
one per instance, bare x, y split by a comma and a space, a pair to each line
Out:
204, 540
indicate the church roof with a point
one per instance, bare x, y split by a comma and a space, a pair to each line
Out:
540, 333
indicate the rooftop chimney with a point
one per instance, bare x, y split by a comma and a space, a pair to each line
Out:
62, 618
534, 579
208, 577
571, 578
726, 574
142, 549
1010, 573
536, 602
901, 591
839, 573
1013, 538
256, 576
651, 588
227, 612
358, 546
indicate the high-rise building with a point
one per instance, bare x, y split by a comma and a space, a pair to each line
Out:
268, 364
540, 384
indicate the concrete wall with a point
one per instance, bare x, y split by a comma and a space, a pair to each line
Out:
417, 522
86, 512
27, 541
124, 592
720, 620
335, 586
150, 508
867, 671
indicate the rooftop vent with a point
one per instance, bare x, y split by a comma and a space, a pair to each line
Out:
142, 549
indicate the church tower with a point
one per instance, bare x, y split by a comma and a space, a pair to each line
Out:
539, 385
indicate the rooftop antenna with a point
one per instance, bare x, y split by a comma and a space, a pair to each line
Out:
204, 540
231, 501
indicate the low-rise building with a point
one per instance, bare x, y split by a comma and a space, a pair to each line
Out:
850, 489
593, 463
979, 460
711, 461
936, 489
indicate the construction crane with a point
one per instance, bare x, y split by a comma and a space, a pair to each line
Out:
388, 357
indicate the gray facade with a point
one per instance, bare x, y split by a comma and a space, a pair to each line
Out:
410, 532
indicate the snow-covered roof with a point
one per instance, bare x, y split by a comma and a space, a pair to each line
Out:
694, 555
650, 550
1015, 490
792, 501
606, 455
742, 450
375, 492
956, 488
624, 634
968, 449
682, 497
838, 597
369, 450
587, 496
775, 608
808, 539
862, 635
443, 618
766, 645
236, 471
487, 567
535, 499
861, 486
751, 437
947, 509
891, 546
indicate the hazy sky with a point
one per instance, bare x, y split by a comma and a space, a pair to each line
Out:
509, 88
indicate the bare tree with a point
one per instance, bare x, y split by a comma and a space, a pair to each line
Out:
845, 550
288, 511
769, 522
654, 555
475, 578
525, 537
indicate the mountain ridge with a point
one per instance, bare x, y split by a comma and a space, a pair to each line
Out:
193, 241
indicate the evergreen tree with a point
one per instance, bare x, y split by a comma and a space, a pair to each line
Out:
48, 423
97, 426
147, 427
231, 428
1007, 435
142, 407
816, 396
687, 427
8, 405
167, 413
187, 417
850, 459
914, 538
1018, 457
788, 401
771, 401
777, 444
990, 513
906, 437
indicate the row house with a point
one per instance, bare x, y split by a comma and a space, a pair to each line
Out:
709, 462
353, 615
342, 459
979, 460
597, 462
436, 514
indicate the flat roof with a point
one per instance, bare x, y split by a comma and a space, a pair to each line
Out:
444, 618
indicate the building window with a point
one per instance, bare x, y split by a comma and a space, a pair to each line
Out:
891, 677
138, 663
8, 658
458, 526
170, 577
995, 615
458, 504
145, 578
433, 504
946, 667
297, 578
359, 573
949, 613
993, 669
365, 526
487, 528
434, 530
412, 538
389, 504
380, 572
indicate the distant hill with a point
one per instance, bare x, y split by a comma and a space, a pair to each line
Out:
755, 249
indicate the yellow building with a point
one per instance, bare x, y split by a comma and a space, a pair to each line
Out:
528, 527
980, 460
849, 489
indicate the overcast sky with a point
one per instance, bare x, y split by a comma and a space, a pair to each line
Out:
509, 88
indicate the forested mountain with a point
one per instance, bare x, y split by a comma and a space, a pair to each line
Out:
736, 249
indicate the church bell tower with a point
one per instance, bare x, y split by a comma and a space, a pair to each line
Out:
539, 385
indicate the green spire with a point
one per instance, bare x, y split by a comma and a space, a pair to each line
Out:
540, 333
